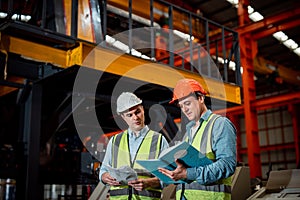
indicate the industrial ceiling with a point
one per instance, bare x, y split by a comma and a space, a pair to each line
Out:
269, 48
223, 12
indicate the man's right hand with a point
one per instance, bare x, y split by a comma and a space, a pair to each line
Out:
108, 179
177, 174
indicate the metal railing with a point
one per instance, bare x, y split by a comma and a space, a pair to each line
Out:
208, 48
215, 43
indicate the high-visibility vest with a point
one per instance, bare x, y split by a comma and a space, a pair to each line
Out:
220, 190
149, 149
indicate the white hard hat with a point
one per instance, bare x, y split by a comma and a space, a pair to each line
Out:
126, 101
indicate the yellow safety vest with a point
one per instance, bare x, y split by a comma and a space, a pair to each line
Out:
149, 149
220, 190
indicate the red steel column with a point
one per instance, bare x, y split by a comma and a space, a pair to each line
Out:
248, 51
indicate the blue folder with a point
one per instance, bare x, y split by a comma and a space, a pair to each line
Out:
184, 152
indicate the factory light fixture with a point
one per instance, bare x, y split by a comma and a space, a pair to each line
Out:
24, 18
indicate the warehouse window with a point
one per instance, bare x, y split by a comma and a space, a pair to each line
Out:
275, 129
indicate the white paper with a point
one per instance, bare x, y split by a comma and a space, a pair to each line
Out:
122, 174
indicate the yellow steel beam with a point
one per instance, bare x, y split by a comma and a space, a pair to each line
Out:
140, 69
43, 53
115, 63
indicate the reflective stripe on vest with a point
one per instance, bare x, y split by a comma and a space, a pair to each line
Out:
144, 193
205, 195
148, 149
203, 142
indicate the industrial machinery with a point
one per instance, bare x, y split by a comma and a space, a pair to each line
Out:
282, 184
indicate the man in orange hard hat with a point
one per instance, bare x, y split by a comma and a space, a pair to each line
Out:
214, 136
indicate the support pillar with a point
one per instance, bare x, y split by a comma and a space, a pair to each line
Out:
248, 52
33, 188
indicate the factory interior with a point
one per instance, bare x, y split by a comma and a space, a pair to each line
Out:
63, 64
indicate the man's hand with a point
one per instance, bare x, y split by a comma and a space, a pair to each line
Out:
141, 184
177, 174
108, 179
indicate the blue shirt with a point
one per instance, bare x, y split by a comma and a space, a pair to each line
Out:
134, 143
224, 148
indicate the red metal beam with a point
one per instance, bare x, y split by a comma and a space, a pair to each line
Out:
274, 29
236, 110
272, 147
276, 101
265, 103
270, 21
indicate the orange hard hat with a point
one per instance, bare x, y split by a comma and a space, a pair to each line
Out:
185, 87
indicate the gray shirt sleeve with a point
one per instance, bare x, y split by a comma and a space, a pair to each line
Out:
106, 160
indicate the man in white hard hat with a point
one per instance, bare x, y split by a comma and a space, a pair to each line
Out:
138, 142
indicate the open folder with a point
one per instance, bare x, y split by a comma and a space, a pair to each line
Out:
182, 151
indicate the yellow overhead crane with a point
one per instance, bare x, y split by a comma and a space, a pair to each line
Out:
115, 63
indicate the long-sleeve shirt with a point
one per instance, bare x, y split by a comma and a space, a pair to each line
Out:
134, 143
224, 148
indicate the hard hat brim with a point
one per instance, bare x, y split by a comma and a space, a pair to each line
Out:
126, 109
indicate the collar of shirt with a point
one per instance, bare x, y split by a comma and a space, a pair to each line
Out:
204, 117
189, 126
142, 132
